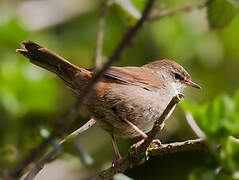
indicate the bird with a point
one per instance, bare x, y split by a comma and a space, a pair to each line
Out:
126, 101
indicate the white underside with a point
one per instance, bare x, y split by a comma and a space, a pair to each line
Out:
174, 87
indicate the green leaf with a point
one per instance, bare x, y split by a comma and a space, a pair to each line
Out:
217, 119
129, 8
232, 125
230, 154
223, 107
221, 12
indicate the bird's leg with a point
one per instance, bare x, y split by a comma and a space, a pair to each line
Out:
143, 135
155, 142
118, 156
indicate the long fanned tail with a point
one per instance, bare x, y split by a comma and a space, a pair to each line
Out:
74, 76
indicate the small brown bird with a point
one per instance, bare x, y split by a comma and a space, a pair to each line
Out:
127, 100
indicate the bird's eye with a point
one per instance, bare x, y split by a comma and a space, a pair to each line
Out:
178, 76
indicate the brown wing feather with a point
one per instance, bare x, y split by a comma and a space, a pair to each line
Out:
135, 76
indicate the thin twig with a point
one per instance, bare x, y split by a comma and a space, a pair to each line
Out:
85, 158
194, 126
100, 35
135, 156
58, 131
127, 38
54, 152
184, 9
67, 119
98, 63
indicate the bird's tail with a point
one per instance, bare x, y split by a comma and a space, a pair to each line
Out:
74, 76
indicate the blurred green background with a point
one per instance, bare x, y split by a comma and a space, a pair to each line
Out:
31, 99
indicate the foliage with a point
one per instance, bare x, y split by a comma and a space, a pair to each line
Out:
219, 120
221, 12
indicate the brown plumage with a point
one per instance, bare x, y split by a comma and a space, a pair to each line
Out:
127, 100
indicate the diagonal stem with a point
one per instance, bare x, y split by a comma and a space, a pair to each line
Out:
54, 152
135, 156
68, 118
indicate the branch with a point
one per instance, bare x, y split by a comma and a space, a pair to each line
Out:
158, 124
54, 152
127, 38
58, 131
194, 126
184, 9
197, 144
68, 118
85, 158
136, 155
100, 34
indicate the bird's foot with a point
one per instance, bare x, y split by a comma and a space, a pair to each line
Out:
155, 143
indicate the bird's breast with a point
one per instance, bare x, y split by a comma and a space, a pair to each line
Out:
137, 105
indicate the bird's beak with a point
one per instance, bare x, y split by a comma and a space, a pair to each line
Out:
192, 84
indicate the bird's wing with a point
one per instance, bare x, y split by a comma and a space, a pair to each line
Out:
138, 76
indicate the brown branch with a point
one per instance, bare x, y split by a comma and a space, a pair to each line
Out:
67, 119
127, 38
158, 125
98, 64
184, 9
100, 35
54, 152
135, 156
196, 144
